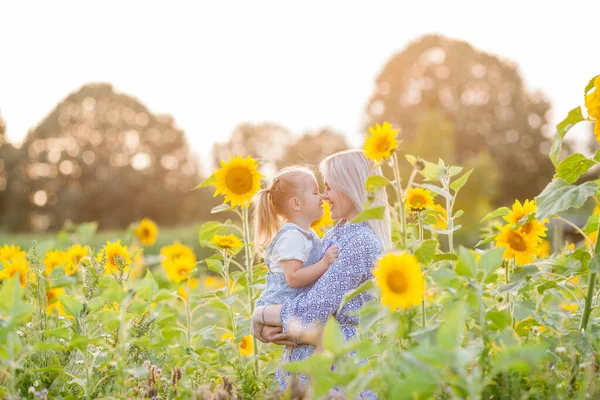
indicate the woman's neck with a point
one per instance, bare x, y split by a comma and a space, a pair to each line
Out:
349, 216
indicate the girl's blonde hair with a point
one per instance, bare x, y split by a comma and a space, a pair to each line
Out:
347, 171
270, 205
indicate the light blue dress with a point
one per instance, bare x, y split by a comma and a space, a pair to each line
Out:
277, 290
359, 249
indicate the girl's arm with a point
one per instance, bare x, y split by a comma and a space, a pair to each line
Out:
297, 277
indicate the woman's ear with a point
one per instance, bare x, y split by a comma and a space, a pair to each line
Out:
295, 204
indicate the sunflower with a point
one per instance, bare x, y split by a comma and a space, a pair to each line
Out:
320, 225
213, 282
179, 268
117, 257
227, 242
53, 259
74, 255
381, 143
400, 280
532, 228
192, 283
569, 307
177, 250
246, 346
592, 103
16, 265
146, 232
592, 236
238, 180
11, 252
53, 303
442, 216
545, 249
418, 199
519, 245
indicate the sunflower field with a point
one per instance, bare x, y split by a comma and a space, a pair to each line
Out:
514, 317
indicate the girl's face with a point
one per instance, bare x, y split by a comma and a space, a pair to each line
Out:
312, 203
339, 202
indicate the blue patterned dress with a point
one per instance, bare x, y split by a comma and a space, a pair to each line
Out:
359, 249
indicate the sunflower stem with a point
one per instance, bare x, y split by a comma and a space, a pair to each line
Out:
507, 278
450, 218
246, 226
398, 182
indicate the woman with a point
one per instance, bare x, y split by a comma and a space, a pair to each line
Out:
360, 244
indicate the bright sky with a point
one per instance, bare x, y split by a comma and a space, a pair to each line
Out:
306, 64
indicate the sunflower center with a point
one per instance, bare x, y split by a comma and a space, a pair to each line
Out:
417, 204
182, 271
239, 180
382, 144
146, 233
397, 282
243, 345
516, 241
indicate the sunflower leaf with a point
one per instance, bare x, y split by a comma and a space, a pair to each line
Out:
221, 208
460, 182
592, 224
467, 263
572, 167
375, 183
486, 240
562, 128
370, 213
499, 212
590, 85
450, 333
491, 260
207, 182
560, 196
426, 251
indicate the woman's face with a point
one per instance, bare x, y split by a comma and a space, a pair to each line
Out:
340, 204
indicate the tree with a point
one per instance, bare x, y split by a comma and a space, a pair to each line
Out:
311, 148
101, 155
266, 142
482, 97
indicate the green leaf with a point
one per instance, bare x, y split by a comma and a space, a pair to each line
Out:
72, 306
486, 240
491, 260
590, 85
500, 319
221, 208
43, 346
445, 277
467, 263
562, 128
454, 170
546, 285
445, 256
592, 224
207, 182
214, 265
411, 159
376, 182
460, 182
450, 333
572, 167
499, 212
560, 196
458, 214
368, 285
369, 214
433, 172
426, 251
208, 230
333, 340
62, 333
12, 303
520, 358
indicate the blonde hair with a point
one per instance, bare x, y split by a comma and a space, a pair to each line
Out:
347, 171
270, 205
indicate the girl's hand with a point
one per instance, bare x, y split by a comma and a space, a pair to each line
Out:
331, 254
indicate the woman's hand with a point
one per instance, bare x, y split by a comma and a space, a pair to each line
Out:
274, 334
257, 325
